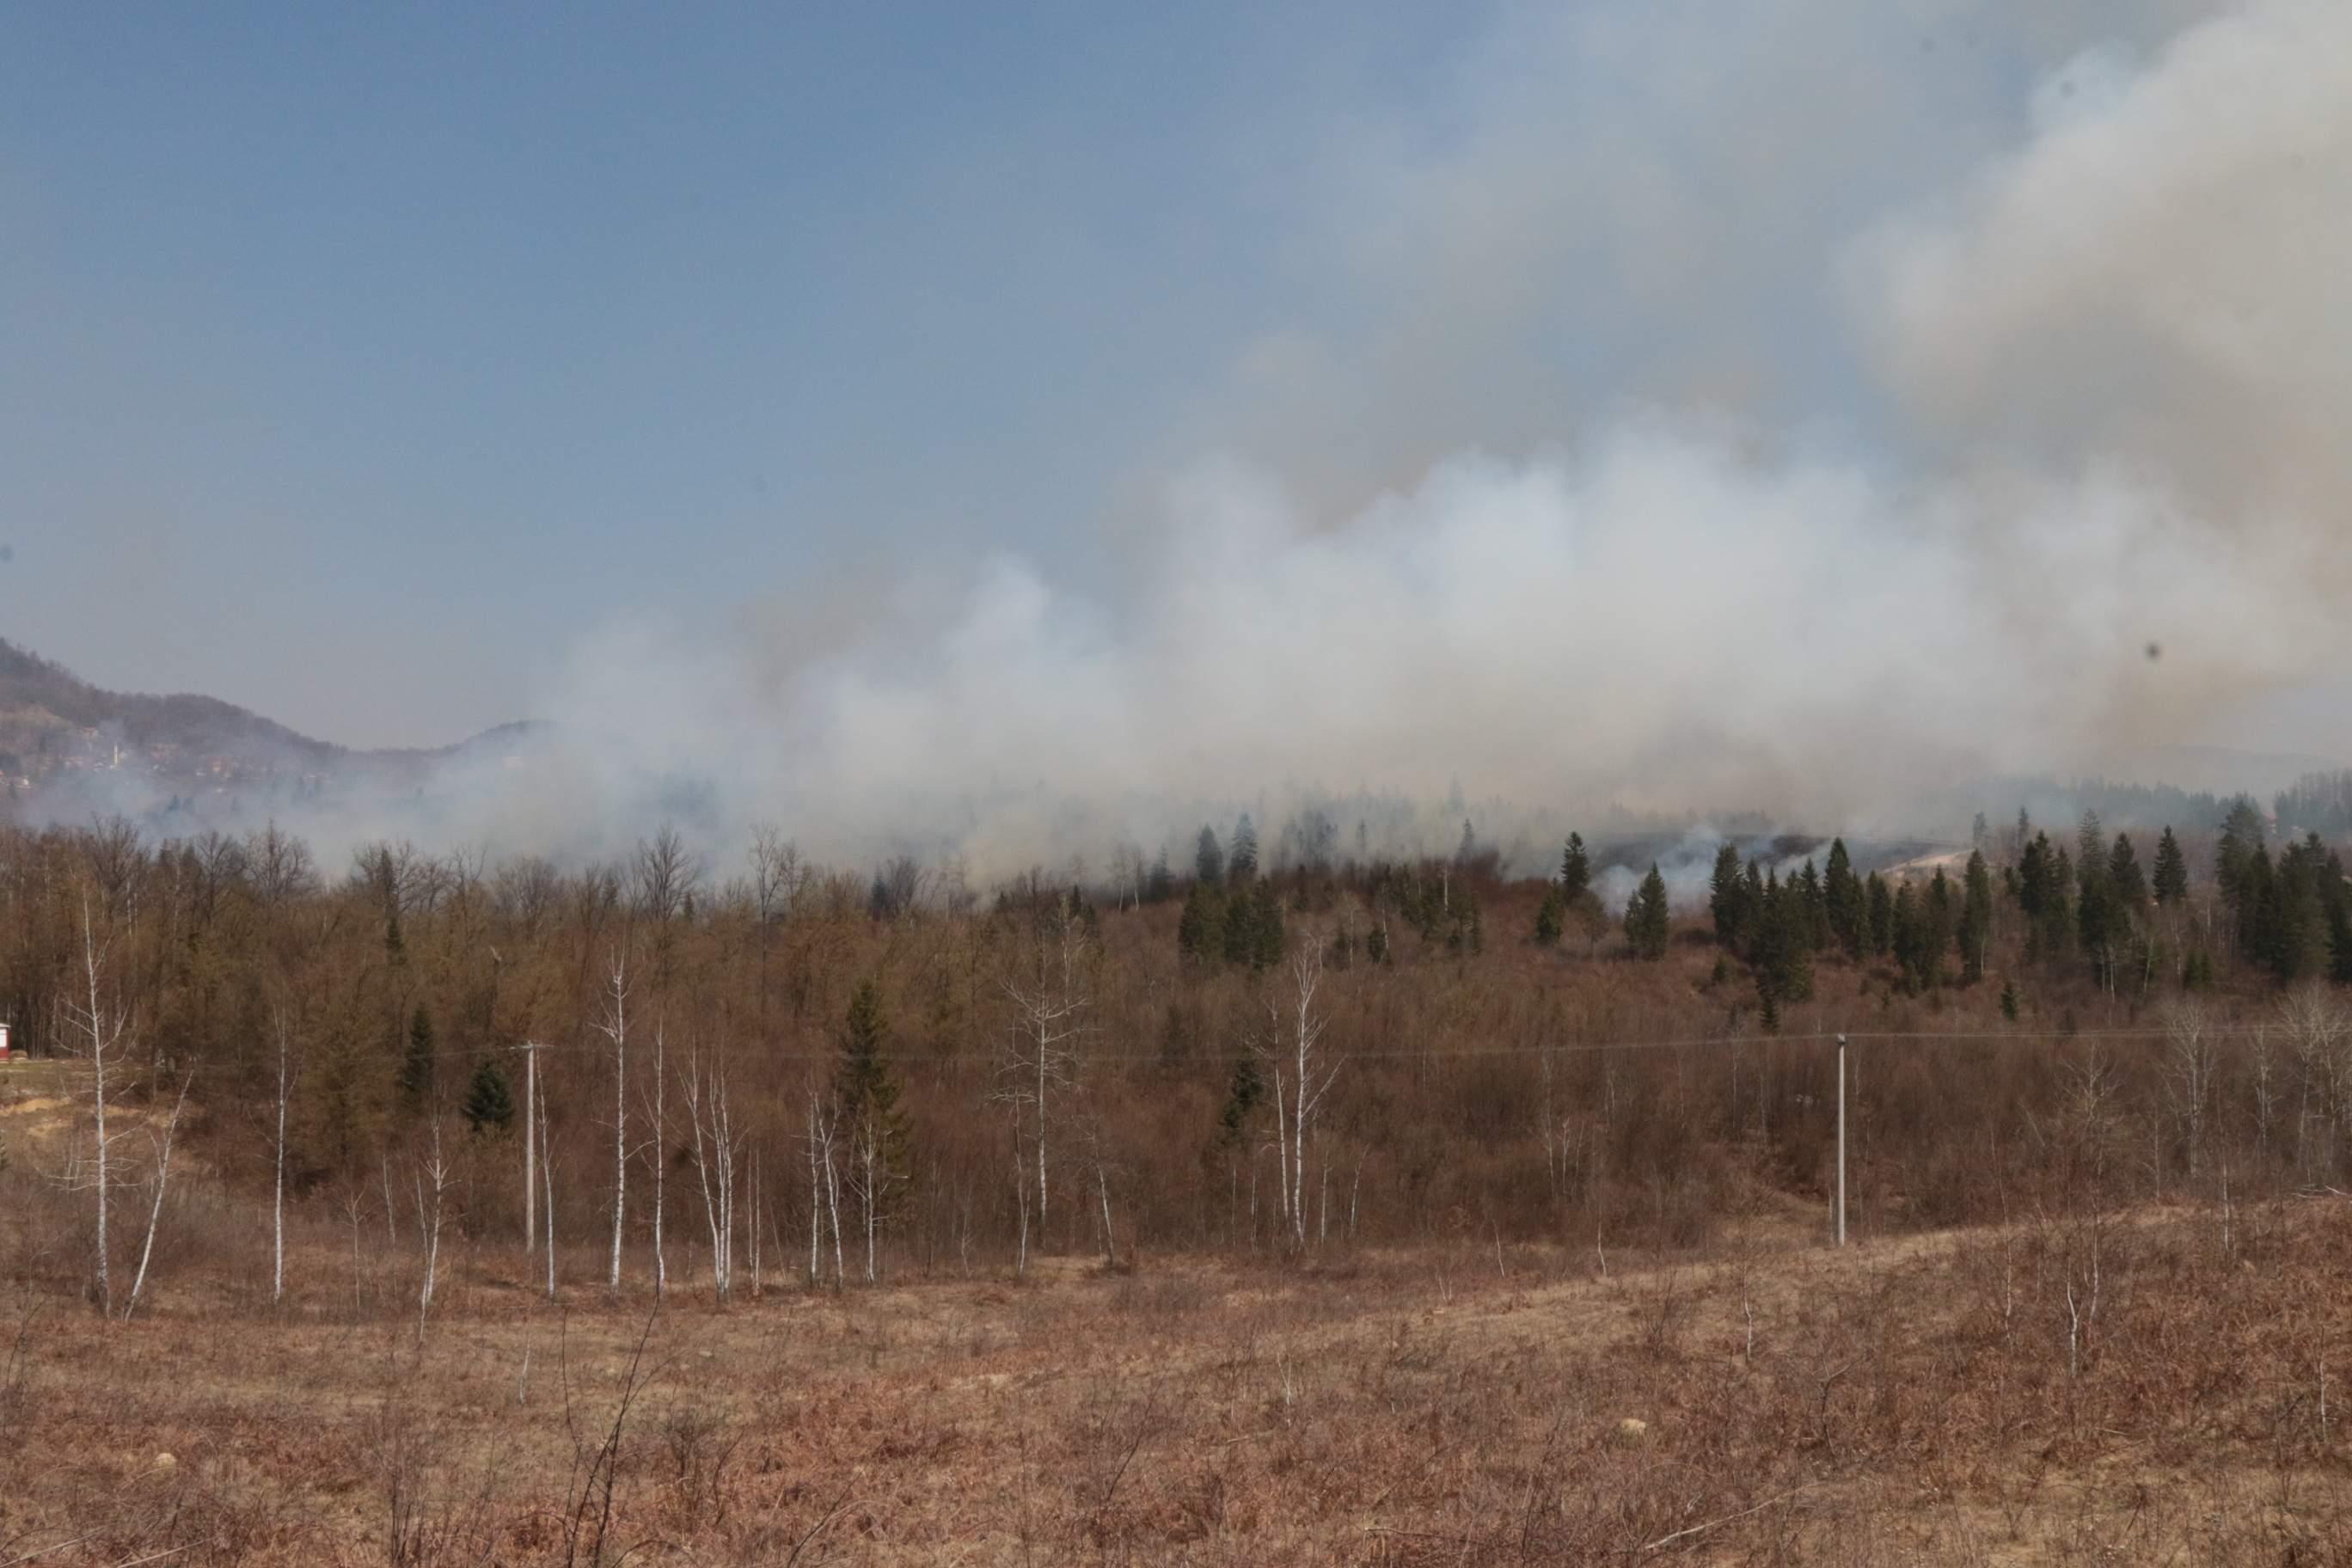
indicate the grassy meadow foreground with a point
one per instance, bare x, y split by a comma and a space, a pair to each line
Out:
1334, 1213
1928, 1400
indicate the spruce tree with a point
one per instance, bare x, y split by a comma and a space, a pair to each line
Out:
1208, 859
1882, 914
1551, 917
416, 1061
1267, 935
1849, 905
1976, 918
1647, 926
865, 1091
1240, 924
2125, 884
1242, 864
1201, 928
1160, 885
2171, 870
1728, 902
1575, 872
489, 1101
1243, 1093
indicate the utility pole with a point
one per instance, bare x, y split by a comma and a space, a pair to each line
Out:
530, 1049
1840, 1179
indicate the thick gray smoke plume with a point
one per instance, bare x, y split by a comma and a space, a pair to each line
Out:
2105, 373
2116, 368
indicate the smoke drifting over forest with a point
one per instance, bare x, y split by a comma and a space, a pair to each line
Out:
2105, 376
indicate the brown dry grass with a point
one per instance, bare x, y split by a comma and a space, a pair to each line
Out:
1904, 1402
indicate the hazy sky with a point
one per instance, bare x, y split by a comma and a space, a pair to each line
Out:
371, 366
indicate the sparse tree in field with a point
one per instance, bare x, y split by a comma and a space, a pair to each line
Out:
866, 1094
717, 1149
1294, 1046
100, 1034
433, 1173
615, 1026
285, 1033
162, 1186
1040, 1059
2191, 1060
657, 1113
824, 1187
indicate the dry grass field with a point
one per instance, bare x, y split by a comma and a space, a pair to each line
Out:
1915, 1401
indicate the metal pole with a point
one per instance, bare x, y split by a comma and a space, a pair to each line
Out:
529, 1158
1841, 1185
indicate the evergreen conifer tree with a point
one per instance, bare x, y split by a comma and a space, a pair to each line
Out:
1208, 859
416, 1061
1647, 925
1575, 871
1976, 918
1242, 864
1728, 902
488, 1102
2171, 870
1848, 904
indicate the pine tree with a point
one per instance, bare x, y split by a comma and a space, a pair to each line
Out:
1242, 864
1849, 904
1728, 901
416, 1061
1267, 935
1575, 871
1240, 924
489, 1101
1201, 928
2125, 884
1812, 908
865, 1091
1882, 914
1208, 859
1551, 917
1976, 918
1243, 1093
1647, 926
2171, 870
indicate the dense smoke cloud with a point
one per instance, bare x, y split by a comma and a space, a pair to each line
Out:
2102, 376
2119, 354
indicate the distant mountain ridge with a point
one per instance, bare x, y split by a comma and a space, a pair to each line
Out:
51, 721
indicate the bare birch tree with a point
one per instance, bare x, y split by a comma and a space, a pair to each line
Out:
155, 1212
716, 1147
615, 1026
1295, 1033
1041, 1060
100, 1036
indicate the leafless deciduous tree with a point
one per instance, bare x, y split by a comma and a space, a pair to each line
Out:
162, 1182
98, 1035
615, 1026
1304, 1068
1041, 1058
718, 1147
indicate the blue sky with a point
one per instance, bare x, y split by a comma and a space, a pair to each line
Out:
361, 364
361, 356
